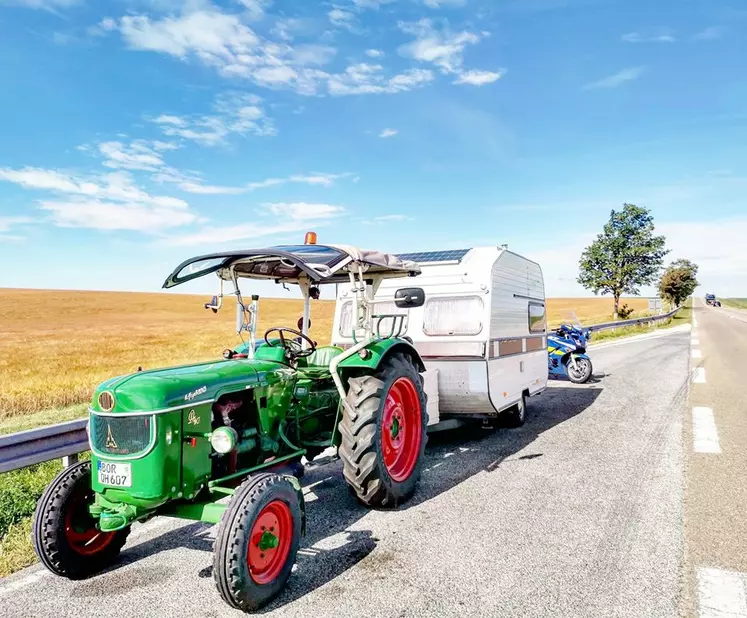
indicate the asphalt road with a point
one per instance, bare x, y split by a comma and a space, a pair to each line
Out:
716, 467
578, 513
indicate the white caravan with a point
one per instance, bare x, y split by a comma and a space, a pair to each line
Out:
482, 331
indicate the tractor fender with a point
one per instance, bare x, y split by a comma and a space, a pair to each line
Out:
379, 352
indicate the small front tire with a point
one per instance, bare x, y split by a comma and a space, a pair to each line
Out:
582, 373
257, 541
65, 536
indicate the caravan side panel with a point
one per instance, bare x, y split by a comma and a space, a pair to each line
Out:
518, 346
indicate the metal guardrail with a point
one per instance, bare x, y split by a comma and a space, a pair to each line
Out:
66, 440
26, 448
635, 321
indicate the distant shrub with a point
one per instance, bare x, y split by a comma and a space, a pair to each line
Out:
625, 312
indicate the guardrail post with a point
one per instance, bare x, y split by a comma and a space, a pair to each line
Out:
69, 460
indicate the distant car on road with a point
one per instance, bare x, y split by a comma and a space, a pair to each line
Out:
711, 300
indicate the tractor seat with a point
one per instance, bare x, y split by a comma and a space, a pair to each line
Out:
320, 358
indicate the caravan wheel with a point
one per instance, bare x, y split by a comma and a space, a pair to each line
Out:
516, 415
383, 439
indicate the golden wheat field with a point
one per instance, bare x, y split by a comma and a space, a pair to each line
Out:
55, 346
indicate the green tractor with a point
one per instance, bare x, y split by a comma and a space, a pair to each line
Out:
222, 441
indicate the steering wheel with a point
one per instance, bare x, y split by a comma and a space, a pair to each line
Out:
292, 347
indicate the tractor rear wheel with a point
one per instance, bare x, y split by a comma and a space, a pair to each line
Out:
384, 433
257, 541
65, 535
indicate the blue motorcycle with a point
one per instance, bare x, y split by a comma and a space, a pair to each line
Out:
566, 353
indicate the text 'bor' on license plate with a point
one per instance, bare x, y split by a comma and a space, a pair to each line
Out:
115, 474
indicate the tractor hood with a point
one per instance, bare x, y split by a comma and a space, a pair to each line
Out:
161, 390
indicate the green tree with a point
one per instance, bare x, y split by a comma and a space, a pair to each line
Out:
625, 256
678, 281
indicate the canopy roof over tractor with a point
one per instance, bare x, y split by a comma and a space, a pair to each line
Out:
289, 263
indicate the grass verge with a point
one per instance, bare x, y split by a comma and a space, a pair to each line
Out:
19, 491
683, 316
40, 419
737, 303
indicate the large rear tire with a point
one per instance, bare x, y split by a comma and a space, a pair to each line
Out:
65, 535
384, 436
257, 541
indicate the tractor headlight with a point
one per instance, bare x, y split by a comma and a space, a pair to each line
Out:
169, 435
224, 439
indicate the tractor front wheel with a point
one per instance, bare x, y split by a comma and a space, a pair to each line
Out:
257, 541
383, 432
65, 536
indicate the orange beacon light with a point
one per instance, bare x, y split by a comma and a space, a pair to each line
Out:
310, 238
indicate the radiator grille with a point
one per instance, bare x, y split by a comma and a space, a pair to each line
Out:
121, 435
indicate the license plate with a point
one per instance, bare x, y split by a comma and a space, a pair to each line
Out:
115, 474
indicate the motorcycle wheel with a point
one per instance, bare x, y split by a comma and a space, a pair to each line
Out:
582, 371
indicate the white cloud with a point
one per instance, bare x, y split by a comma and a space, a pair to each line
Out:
177, 121
235, 113
385, 219
374, 53
117, 186
716, 246
709, 34
371, 4
365, 78
47, 5
220, 235
212, 36
295, 217
103, 215
302, 211
137, 155
441, 48
437, 4
255, 8
200, 189
475, 77
617, 79
388, 133
111, 201
222, 41
316, 178
341, 18
6, 223
635, 37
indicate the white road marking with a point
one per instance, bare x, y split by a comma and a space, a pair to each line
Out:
705, 434
23, 582
697, 353
699, 375
721, 594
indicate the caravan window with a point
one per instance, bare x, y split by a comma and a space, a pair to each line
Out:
536, 318
379, 308
453, 316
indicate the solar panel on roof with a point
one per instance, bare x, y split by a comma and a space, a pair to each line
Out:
450, 255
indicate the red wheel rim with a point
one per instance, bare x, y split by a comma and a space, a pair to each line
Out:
401, 430
80, 528
270, 542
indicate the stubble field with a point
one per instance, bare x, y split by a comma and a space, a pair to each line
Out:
55, 346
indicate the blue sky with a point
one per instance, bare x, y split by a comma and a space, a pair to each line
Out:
136, 133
